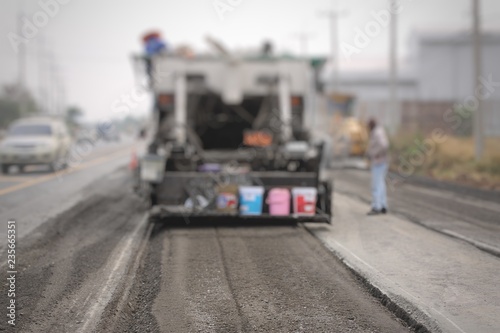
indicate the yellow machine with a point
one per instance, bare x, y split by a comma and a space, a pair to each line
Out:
351, 138
358, 135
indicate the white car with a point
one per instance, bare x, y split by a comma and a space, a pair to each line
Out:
35, 141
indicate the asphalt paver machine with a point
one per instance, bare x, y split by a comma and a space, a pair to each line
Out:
231, 139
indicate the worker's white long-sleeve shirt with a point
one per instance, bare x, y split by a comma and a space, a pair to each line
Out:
378, 147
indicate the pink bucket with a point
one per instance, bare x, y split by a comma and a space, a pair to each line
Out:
278, 200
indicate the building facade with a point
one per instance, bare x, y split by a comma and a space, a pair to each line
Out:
438, 75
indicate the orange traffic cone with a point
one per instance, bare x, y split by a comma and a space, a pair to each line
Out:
134, 162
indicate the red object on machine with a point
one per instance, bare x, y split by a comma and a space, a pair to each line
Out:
304, 200
134, 161
151, 35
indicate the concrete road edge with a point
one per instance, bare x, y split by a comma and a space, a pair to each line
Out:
416, 319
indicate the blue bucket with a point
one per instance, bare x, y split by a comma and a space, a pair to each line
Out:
251, 198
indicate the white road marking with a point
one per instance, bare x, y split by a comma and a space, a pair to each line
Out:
119, 262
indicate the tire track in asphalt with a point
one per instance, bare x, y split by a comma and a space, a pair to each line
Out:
244, 324
194, 295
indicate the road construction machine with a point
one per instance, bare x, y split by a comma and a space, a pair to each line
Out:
232, 138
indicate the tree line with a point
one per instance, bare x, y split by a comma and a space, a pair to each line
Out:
17, 102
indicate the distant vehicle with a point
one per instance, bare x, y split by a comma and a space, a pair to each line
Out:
108, 133
87, 135
35, 141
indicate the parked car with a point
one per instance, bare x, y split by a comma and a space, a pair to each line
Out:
38, 141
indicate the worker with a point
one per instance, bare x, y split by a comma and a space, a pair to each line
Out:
142, 133
153, 44
378, 154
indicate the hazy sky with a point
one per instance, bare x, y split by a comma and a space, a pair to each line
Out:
90, 41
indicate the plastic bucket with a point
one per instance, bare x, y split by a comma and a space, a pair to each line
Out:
227, 198
278, 200
251, 198
304, 201
209, 167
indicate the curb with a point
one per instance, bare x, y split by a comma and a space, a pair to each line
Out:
480, 245
416, 320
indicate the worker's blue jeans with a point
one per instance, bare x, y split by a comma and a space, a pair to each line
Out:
379, 193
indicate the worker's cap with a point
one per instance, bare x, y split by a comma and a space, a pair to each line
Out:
151, 35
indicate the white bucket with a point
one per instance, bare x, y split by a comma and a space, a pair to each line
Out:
304, 201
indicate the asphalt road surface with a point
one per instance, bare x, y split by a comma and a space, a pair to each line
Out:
247, 279
37, 195
88, 261
66, 226
64, 265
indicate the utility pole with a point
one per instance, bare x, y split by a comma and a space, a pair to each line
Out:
303, 38
51, 83
393, 66
478, 116
63, 99
333, 17
41, 76
48, 84
21, 62
59, 90
54, 86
